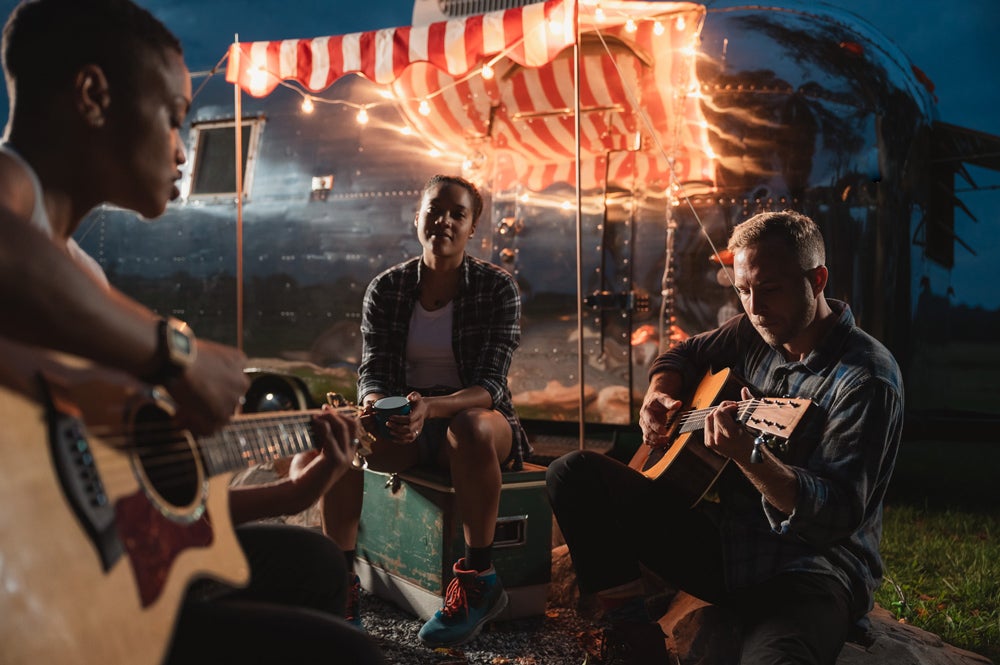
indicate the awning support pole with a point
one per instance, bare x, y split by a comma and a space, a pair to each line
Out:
579, 221
238, 122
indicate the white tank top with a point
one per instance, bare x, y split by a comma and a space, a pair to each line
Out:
40, 220
430, 360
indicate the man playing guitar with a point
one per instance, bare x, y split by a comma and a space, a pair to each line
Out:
792, 545
99, 91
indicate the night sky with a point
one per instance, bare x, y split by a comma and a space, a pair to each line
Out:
954, 43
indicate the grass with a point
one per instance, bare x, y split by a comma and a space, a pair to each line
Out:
941, 543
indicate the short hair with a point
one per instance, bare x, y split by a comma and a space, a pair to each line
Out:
45, 42
477, 199
799, 233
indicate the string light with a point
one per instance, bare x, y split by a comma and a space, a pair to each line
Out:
599, 14
487, 72
424, 108
630, 25
362, 116
307, 105
681, 23
658, 28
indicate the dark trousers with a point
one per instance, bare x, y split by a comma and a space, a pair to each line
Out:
290, 613
614, 519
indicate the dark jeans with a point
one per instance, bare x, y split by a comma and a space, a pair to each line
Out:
614, 518
290, 613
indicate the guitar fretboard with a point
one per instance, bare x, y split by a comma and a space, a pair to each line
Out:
257, 438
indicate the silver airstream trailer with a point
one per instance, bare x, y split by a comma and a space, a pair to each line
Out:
614, 166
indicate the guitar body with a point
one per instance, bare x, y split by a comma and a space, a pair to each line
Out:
84, 583
689, 467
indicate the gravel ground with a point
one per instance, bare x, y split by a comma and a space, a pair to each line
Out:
560, 637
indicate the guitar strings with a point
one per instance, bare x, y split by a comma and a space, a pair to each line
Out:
169, 456
697, 416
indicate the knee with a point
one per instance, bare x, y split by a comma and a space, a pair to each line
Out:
569, 471
470, 435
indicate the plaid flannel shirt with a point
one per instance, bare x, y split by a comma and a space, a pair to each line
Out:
485, 332
843, 456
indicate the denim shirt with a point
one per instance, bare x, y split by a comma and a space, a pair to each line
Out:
842, 456
486, 330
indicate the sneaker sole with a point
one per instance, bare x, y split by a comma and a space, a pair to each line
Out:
499, 607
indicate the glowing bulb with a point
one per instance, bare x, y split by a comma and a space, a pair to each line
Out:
565, 205
658, 28
362, 116
630, 26
555, 27
308, 106
434, 152
425, 108
681, 23
405, 130
487, 72
258, 76
599, 14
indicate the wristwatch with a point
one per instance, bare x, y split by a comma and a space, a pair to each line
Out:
175, 350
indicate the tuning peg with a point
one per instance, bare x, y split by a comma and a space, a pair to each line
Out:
335, 400
756, 457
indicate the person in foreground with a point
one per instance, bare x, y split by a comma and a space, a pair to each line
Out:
440, 329
99, 91
792, 545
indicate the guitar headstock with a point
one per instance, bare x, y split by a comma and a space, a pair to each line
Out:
774, 418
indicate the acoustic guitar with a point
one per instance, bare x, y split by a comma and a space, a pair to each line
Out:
110, 511
689, 466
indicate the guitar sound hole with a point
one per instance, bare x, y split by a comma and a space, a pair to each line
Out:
166, 456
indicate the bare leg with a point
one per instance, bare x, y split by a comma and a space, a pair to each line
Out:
341, 506
478, 440
341, 509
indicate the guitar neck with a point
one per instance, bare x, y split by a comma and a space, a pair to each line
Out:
257, 438
694, 420
777, 416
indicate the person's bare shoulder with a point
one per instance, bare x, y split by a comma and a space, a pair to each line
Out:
17, 193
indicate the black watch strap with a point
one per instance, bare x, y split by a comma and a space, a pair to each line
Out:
175, 350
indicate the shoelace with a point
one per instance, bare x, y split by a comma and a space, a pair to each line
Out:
353, 601
457, 595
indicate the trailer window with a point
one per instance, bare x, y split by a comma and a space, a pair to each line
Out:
213, 157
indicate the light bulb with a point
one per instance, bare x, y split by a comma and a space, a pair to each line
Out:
258, 76
308, 106
657, 28
487, 72
362, 116
425, 108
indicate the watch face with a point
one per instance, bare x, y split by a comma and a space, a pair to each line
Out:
180, 342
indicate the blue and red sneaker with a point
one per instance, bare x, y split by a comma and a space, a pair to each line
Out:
471, 600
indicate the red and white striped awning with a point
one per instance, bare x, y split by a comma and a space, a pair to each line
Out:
641, 118
530, 36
